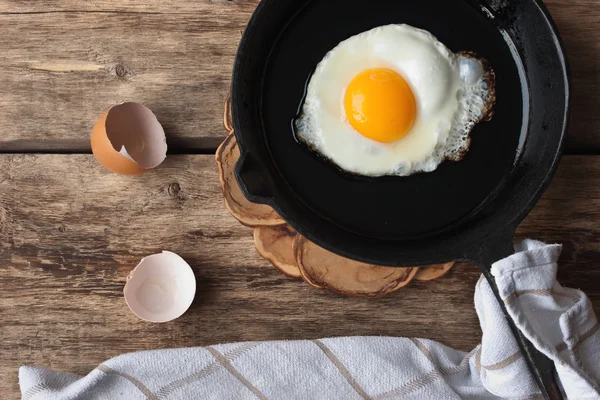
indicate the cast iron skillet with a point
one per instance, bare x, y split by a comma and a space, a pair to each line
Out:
465, 210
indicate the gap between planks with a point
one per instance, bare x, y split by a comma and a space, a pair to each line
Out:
181, 146
203, 145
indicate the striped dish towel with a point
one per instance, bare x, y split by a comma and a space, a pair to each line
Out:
560, 321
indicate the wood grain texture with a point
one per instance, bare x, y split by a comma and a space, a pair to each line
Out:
578, 23
131, 6
71, 231
64, 62
67, 68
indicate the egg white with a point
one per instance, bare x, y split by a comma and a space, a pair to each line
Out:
450, 93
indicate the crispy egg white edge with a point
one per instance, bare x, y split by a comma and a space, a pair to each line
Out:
447, 135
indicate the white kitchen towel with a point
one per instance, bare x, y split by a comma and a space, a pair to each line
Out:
559, 321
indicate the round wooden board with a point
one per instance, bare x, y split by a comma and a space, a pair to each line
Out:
249, 214
324, 269
275, 243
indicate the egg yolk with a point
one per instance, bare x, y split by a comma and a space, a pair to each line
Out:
380, 105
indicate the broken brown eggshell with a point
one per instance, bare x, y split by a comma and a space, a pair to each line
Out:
128, 139
249, 214
324, 269
432, 272
275, 243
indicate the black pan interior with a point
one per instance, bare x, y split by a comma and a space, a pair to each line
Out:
392, 207
427, 218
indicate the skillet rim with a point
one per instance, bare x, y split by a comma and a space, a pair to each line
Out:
467, 236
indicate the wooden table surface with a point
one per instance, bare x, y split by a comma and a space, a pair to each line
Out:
70, 231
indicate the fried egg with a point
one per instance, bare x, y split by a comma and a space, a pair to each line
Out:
394, 101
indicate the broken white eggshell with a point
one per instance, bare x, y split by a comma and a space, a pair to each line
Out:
129, 140
161, 288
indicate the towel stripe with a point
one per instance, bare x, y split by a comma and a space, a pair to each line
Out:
563, 345
441, 373
445, 371
423, 349
206, 371
587, 335
229, 367
504, 363
478, 360
171, 387
463, 366
343, 370
137, 383
411, 386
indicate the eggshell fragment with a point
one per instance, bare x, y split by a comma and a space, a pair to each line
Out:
275, 244
128, 139
161, 288
248, 213
324, 269
432, 272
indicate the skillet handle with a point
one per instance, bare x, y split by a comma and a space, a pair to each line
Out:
254, 182
540, 366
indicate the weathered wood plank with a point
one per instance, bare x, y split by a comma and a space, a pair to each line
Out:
140, 6
70, 232
66, 69
578, 22
64, 62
